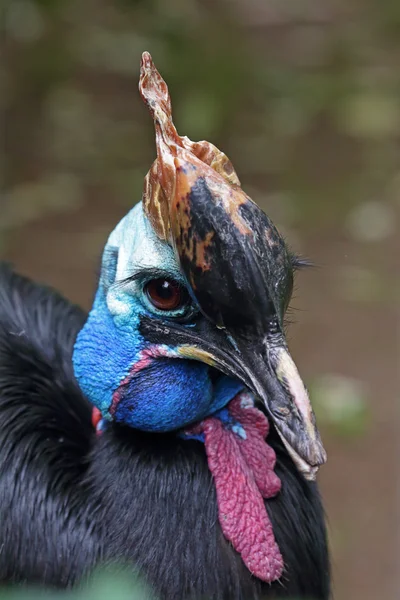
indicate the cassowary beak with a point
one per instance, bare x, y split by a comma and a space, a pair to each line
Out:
271, 374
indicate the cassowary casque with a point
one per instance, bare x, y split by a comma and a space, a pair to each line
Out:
169, 430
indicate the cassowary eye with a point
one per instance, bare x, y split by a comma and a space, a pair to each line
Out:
166, 294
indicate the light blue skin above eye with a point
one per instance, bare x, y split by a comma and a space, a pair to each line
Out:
168, 393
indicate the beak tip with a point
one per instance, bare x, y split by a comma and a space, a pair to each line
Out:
311, 475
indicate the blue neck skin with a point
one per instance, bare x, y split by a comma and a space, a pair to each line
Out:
130, 380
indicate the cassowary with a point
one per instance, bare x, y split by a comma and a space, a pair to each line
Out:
169, 430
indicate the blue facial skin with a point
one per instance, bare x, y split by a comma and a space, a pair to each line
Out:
167, 393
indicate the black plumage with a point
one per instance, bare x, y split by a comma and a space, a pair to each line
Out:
70, 500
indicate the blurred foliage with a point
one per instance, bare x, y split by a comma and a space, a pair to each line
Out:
71, 70
105, 586
340, 405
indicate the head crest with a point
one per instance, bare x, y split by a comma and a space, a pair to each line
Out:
175, 154
231, 254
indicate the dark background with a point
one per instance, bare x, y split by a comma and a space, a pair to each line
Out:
304, 97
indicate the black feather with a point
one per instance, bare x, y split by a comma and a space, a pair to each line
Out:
70, 501
300, 262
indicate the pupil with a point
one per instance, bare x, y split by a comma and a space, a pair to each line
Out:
164, 290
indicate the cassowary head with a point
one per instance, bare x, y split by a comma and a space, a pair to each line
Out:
194, 285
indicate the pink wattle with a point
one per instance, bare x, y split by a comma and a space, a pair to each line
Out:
243, 475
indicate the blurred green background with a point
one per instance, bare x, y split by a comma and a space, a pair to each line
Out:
304, 97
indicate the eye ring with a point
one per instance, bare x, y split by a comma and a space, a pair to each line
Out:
166, 294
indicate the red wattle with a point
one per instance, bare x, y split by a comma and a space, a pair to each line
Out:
243, 475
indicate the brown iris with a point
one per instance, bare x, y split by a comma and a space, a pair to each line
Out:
166, 294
